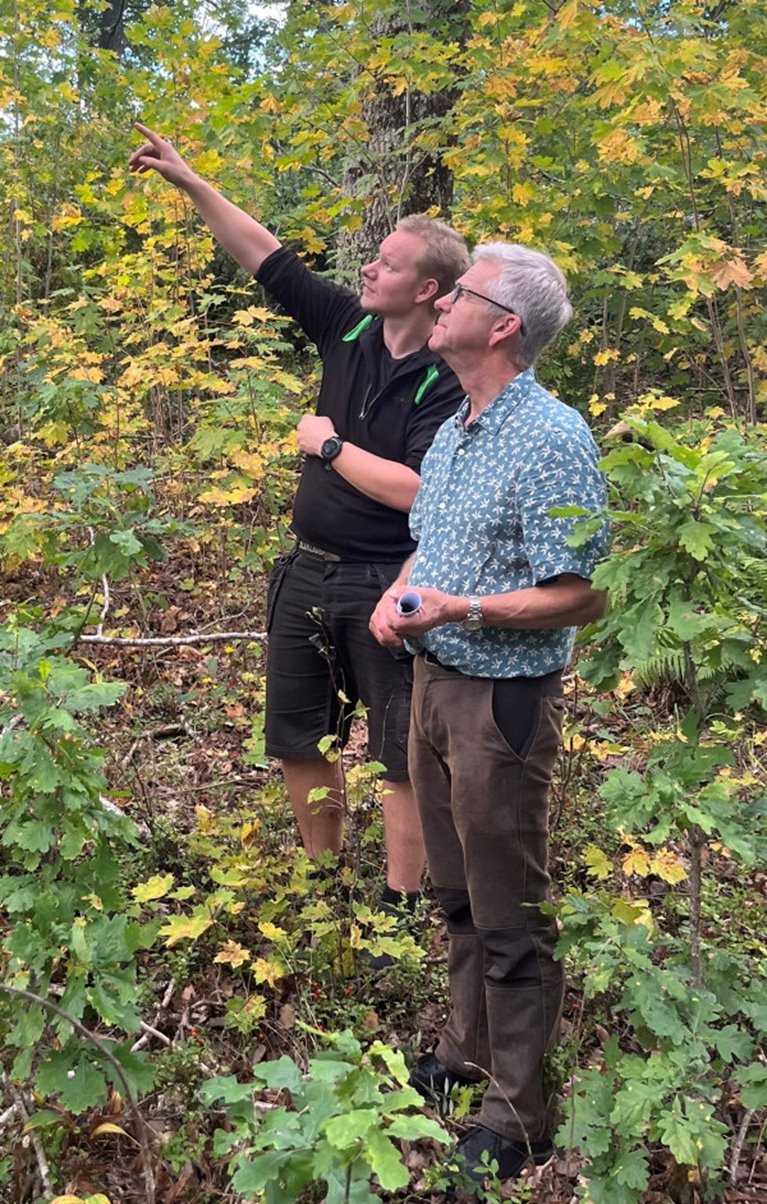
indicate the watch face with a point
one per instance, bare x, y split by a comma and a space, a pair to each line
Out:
330, 448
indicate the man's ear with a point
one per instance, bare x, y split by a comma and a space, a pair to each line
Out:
505, 328
428, 291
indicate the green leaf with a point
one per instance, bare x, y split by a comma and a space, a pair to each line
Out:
697, 538
252, 1177
346, 1130
78, 1084
631, 1170
282, 1075
413, 1128
753, 1080
386, 1161
126, 541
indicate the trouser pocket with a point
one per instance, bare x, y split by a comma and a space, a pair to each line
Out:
281, 566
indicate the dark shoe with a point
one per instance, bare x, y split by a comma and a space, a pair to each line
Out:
435, 1082
480, 1147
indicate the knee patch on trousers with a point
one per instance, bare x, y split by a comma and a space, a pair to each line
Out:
511, 959
457, 910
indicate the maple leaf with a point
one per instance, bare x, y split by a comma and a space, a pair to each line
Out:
232, 954
636, 862
184, 928
732, 271
668, 867
268, 972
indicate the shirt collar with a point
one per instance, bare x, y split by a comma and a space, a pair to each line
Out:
493, 416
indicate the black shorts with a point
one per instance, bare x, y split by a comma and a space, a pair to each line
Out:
322, 660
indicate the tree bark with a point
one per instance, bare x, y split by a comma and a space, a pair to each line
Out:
396, 176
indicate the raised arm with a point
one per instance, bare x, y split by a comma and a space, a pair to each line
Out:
242, 236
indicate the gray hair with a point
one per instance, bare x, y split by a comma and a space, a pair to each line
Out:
530, 284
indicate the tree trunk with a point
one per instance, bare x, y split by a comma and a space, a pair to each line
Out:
396, 176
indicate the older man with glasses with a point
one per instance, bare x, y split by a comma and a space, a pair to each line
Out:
502, 590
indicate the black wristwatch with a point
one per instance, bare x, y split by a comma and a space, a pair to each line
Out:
330, 449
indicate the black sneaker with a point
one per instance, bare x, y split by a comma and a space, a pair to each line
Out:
435, 1082
480, 1147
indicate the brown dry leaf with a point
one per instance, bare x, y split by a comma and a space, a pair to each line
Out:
169, 621
287, 1016
173, 1193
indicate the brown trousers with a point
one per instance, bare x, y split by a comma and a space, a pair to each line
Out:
484, 811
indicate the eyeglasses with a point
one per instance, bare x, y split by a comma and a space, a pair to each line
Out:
460, 289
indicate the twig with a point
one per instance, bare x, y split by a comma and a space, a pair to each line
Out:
738, 1144
8, 1115
149, 1028
150, 1031
105, 607
171, 641
42, 1161
87, 1035
17, 719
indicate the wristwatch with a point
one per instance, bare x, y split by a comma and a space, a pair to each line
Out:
474, 619
330, 449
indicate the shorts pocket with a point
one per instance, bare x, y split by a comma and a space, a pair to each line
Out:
281, 566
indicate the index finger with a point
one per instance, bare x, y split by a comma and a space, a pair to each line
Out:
154, 138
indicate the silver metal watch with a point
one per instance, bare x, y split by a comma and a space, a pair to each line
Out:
474, 619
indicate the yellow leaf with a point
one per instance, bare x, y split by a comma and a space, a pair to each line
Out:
109, 1127
523, 194
268, 972
567, 14
232, 954
272, 932
92, 374
637, 862
97, 1199
668, 867
619, 147
250, 463
153, 888
603, 357
660, 403
184, 928
235, 496
254, 313
597, 863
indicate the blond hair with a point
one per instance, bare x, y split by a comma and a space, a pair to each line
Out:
445, 255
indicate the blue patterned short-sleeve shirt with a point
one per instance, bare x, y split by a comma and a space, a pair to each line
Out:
482, 522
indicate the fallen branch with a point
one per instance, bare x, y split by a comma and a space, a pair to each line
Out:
738, 1144
42, 1161
172, 641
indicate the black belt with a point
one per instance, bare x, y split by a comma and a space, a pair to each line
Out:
311, 550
